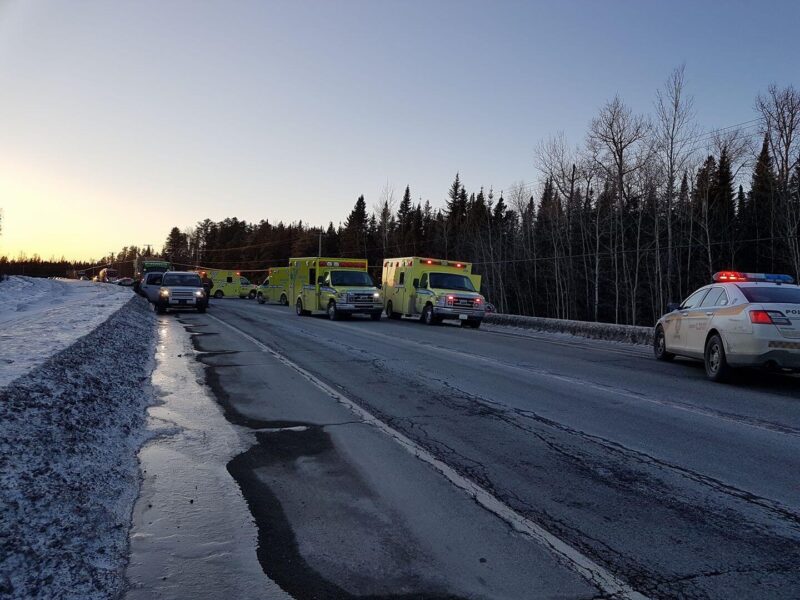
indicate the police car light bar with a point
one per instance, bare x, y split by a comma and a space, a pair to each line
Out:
730, 276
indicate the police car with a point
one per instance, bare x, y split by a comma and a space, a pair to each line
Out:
740, 320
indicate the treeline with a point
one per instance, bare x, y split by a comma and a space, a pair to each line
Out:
640, 213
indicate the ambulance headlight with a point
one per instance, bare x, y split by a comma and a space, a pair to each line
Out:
341, 295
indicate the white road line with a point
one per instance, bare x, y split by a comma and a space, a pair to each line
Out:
597, 575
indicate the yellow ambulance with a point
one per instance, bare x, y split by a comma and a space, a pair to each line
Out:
432, 289
339, 287
230, 284
275, 287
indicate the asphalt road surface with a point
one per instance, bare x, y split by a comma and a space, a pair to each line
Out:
400, 460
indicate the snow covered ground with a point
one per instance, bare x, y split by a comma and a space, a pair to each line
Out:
72, 418
40, 317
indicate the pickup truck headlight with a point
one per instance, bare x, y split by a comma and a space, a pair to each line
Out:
199, 293
376, 295
164, 292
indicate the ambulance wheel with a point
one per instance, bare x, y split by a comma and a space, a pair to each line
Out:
660, 345
218, 294
201, 309
375, 316
333, 314
261, 299
284, 300
428, 317
298, 308
252, 294
717, 368
390, 312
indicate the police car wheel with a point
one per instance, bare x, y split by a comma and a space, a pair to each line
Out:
218, 294
717, 368
660, 346
333, 314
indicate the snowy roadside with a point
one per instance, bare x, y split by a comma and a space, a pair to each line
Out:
70, 429
40, 317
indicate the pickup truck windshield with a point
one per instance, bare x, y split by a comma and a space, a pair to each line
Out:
772, 294
354, 278
181, 279
451, 281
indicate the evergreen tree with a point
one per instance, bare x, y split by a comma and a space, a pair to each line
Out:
354, 235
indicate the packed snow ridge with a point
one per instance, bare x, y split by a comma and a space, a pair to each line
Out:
70, 429
631, 334
40, 317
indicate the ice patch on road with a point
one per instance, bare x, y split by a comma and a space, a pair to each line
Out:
69, 432
40, 317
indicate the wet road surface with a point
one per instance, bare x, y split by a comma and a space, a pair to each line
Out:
628, 475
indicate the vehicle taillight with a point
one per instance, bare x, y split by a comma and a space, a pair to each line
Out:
760, 317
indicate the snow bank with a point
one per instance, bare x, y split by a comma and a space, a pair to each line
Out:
40, 317
631, 334
69, 432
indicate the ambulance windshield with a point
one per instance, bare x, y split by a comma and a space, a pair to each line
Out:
451, 281
354, 278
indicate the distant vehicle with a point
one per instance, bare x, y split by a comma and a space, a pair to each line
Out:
231, 284
432, 289
275, 287
150, 286
125, 281
143, 266
94, 278
83, 278
740, 320
107, 275
181, 290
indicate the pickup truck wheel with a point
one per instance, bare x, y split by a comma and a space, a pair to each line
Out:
218, 294
717, 368
474, 323
201, 309
660, 345
161, 310
333, 314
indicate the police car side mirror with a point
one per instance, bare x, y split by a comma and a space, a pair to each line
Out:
415, 283
673, 306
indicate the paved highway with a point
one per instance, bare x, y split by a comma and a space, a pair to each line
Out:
399, 460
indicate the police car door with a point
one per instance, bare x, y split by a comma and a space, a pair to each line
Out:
677, 331
700, 319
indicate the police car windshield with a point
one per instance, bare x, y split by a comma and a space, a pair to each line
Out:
355, 278
771, 294
181, 279
451, 281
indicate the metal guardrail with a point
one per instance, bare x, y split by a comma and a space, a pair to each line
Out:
631, 334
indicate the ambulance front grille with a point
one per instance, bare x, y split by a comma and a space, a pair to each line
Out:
360, 299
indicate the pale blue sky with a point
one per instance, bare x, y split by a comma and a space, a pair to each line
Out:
120, 119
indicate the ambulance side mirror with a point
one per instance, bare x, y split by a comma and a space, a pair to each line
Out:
415, 283
321, 279
379, 286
